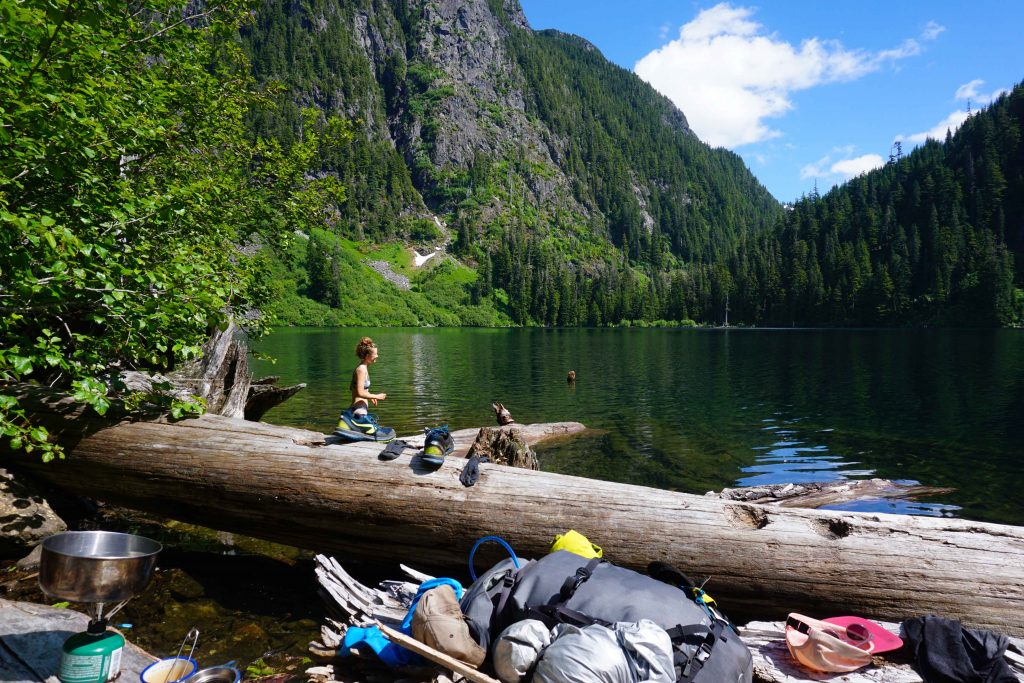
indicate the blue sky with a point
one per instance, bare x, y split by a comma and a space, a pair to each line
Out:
808, 91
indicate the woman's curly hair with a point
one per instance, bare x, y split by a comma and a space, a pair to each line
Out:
364, 347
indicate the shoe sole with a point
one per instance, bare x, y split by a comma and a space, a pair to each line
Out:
360, 436
430, 459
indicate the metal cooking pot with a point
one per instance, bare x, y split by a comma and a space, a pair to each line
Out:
216, 674
96, 566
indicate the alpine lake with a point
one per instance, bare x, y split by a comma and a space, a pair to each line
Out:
698, 410
690, 410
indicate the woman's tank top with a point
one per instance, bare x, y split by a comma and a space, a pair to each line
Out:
366, 384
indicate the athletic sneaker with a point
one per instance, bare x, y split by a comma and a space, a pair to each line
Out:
437, 444
365, 426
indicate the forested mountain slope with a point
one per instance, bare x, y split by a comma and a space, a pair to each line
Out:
936, 237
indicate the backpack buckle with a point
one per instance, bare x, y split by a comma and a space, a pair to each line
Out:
573, 582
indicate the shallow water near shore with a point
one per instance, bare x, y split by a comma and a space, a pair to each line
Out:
254, 603
697, 410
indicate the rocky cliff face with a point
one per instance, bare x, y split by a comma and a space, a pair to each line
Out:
466, 96
496, 125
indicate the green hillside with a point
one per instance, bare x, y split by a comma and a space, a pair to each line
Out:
935, 237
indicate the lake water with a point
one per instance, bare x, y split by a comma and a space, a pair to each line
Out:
696, 410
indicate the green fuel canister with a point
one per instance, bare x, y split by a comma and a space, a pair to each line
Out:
91, 657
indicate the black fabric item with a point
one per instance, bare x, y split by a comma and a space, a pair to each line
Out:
663, 571
393, 450
471, 470
947, 652
560, 614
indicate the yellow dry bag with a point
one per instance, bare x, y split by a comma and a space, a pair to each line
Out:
575, 542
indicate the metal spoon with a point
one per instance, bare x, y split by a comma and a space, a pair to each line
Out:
194, 635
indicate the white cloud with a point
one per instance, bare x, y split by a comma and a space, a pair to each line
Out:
938, 131
971, 91
932, 30
849, 168
730, 76
815, 169
826, 168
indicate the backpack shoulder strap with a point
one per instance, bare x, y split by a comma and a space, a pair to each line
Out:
505, 591
704, 637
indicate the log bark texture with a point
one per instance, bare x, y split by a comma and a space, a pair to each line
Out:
266, 481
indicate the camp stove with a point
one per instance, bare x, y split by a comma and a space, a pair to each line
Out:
102, 570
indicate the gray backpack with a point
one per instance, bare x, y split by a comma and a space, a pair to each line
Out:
566, 588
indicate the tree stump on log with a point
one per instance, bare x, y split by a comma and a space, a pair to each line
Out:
221, 374
504, 447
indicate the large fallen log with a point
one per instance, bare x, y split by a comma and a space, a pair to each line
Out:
276, 483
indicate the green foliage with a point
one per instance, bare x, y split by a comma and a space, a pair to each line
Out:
158, 176
259, 668
440, 295
133, 200
650, 189
620, 132
313, 57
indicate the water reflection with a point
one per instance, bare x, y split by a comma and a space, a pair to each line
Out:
896, 506
795, 461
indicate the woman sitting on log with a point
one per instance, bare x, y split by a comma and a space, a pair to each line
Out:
357, 418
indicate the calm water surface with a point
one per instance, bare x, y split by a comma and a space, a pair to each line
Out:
699, 410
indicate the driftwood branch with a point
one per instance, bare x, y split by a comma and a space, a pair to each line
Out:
360, 605
819, 494
220, 377
264, 395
